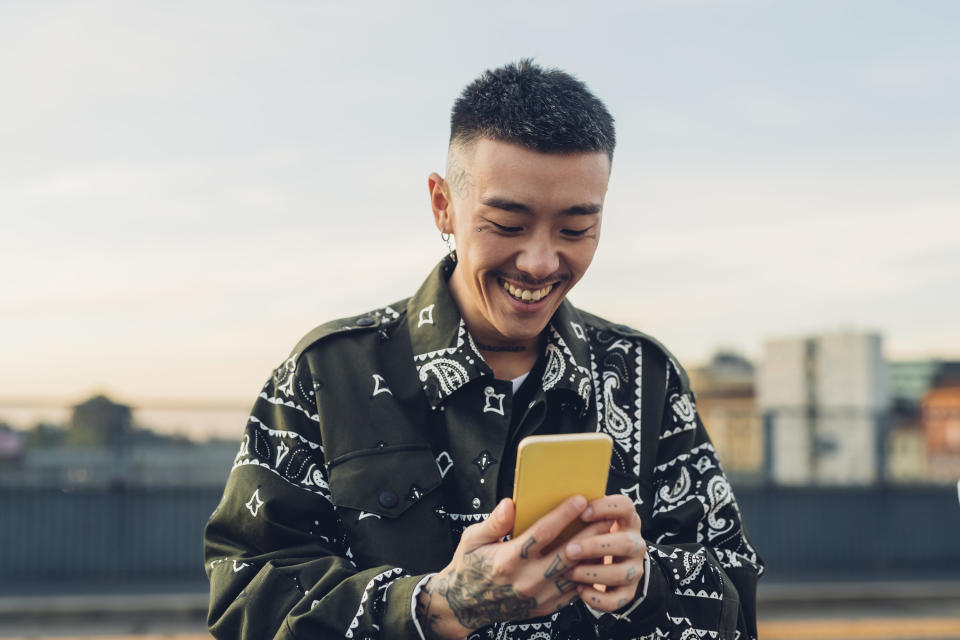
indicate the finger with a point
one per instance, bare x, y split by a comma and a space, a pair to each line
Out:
611, 575
609, 600
542, 532
555, 566
561, 583
614, 507
497, 525
592, 529
621, 543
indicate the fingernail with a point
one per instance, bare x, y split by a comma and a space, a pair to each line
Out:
573, 549
586, 514
579, 502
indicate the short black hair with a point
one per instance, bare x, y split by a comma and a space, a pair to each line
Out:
546, 110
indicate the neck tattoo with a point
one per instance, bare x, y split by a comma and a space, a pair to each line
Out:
490, 347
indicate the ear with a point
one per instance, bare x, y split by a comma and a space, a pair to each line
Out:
440, 203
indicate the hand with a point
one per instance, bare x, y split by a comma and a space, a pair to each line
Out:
602, 584
493, 581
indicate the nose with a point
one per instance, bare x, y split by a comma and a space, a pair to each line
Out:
539, 258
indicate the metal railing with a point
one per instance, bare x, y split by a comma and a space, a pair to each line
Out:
138, 534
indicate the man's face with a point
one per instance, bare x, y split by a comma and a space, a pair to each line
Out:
526, 227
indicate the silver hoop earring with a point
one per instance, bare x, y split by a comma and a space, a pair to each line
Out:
446, 240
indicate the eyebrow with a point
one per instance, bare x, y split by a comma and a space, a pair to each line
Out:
512, 206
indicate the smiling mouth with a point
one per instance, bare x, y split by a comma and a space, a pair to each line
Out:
528, 296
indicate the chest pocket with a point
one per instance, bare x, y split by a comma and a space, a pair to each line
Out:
386, 481
390, 507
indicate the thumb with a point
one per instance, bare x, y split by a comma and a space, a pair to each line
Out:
498, 524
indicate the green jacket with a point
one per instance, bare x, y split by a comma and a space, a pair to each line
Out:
383, 436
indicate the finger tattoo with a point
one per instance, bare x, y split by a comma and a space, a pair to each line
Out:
564, 585
526, 547
556, 567
631, 573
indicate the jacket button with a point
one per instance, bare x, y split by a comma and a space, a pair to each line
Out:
364, 321
388, 499
476, 503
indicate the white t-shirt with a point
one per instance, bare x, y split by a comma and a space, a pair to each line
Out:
519, 381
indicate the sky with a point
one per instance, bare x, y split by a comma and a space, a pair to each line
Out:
187, 188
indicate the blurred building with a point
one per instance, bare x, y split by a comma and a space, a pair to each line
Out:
11, 444
827, 398
100, 421
104, 446
907, 453
726, 402
941, 423
910, 380
919, 442
144, 465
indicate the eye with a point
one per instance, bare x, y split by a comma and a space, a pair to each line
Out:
575, 233
506, 229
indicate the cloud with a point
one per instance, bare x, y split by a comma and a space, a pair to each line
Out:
191, 190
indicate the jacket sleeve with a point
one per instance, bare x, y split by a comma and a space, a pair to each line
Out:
702, 569
278, 562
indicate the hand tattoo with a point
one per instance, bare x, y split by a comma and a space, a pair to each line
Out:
424, 615
476, 600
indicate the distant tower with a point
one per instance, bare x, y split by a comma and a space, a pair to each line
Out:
100, 421
826, 396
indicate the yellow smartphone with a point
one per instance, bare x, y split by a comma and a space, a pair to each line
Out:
551, 469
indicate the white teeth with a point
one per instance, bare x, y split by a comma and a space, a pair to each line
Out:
526, 295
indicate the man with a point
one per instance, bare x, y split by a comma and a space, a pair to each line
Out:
370, 496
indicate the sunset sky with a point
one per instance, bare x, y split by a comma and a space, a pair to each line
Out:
187, 188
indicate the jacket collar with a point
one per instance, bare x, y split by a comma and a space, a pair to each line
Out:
568, 355
447, 358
